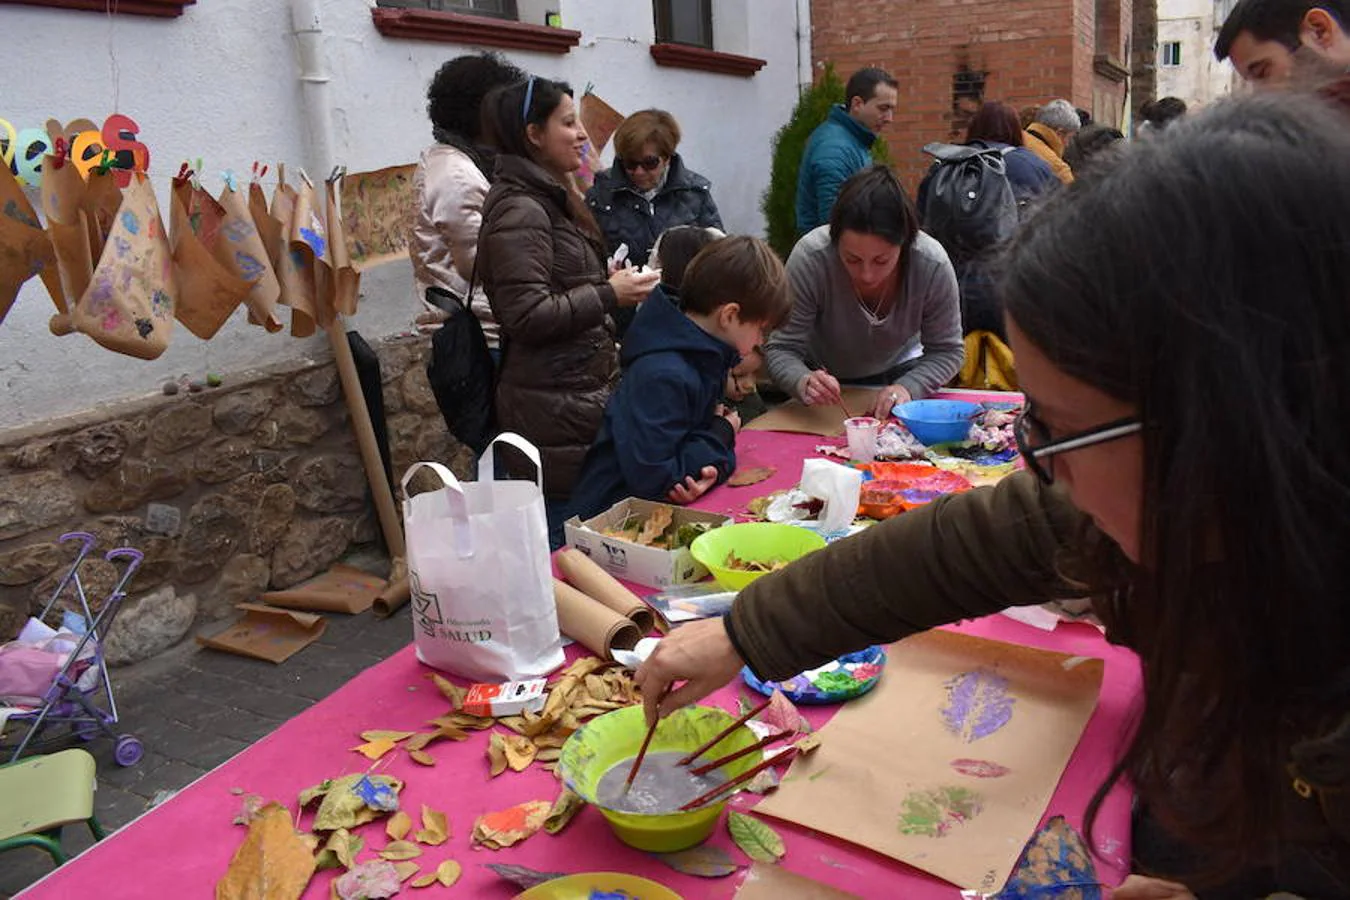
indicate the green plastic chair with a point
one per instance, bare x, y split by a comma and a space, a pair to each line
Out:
42, 795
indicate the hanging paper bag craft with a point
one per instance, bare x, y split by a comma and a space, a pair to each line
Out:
63, 205
128, 306
343, 282
243, 252
378, 211
309, 246
25, 249
102, 199
210, 292
599, 119
294, 269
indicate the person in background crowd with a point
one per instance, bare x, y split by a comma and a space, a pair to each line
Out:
1239, 743
1084, 117
1088, 142
874, 302
841, 145
673, 250
542, 262
1271, 41
667, 435
450, 183
1158, 114
648, 190
1056, 122
1026, 115
995, 126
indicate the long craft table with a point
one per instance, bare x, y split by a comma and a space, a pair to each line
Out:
182, 847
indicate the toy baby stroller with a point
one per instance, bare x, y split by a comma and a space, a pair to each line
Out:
56, 677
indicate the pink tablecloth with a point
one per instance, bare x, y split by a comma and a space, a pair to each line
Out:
181, 848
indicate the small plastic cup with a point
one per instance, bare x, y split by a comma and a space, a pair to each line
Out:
862, 438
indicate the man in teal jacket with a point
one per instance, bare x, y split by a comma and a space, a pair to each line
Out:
841, 146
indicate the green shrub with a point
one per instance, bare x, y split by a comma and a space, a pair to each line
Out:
779, 203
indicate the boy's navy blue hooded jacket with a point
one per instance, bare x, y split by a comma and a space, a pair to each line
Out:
661, 424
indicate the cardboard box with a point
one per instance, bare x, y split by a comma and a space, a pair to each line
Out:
650, 566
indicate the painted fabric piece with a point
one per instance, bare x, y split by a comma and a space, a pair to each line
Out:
949, 763
1056, 857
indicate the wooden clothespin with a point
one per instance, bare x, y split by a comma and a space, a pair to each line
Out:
59, 150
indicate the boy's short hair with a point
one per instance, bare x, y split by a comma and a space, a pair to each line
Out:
739, 269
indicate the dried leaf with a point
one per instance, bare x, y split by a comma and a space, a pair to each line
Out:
418, 741
249, 810
705, 861
448, 872
426, 880
453, 733
765, 781
394, 736
309, 795
513, 723
781, 714
496, 754
522, 877
520, 752
405, 870
756, 840
398, 826
345, 846
469, 721
754, 475
344, 807
548, 754
508, 827
435, 827
655, 526
399, 850
549, 741
597, 687
568, 804
326, 859
236, 791
453, 692
272, 861
373, 750
422, 757
368, 881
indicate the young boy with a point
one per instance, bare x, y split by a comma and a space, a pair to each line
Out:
666, 434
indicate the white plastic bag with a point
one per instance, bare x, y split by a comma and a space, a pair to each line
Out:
839, 486
481, 578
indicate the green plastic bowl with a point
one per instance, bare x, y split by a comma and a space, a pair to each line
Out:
753, 541
607, 740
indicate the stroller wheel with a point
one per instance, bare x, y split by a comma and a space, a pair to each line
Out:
128, 750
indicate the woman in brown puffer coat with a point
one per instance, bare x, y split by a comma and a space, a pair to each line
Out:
542, 264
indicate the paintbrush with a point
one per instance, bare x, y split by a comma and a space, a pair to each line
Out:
646, 742
740, 779
724, 732
737, 754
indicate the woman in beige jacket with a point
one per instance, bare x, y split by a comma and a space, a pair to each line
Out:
450, 183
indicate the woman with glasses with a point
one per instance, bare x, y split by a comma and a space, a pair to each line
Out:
648, 189
542, 264
1179, 319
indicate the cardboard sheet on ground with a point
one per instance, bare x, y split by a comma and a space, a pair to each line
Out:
265, 632
798, 418
949, 763
341, 589
767, 881
378, 210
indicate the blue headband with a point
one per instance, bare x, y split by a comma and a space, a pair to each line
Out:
529, 97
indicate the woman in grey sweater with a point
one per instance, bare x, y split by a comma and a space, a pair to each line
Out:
875, 303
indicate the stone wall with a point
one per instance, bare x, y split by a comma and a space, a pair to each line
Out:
229, 491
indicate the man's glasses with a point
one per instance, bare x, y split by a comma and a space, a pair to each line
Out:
1035, 445
647, 163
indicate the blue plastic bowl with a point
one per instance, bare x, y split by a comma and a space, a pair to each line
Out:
937, 421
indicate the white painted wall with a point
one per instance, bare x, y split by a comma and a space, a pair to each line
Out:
220, 83
1200, 78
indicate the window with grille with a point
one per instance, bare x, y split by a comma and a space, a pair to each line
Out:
496, 9
1171, 53
684, 22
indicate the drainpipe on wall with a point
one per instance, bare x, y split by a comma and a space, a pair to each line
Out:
317, 112
805, 74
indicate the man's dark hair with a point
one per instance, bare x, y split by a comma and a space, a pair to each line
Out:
455, 95
863, 83
874, 202
1274, 20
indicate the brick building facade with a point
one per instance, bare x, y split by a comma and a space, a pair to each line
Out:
951, 55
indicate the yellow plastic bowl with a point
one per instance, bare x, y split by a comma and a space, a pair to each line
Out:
753, 541
616, 736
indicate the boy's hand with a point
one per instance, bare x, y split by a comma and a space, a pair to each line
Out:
689, 490
731, 416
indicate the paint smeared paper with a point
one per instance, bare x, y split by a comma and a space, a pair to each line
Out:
977, 705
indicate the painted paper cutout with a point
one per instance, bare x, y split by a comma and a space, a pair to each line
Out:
378, 212
129, 155
210, 290
246, 254
343, 280
294, 272
1056, 856
63, 192
309, 250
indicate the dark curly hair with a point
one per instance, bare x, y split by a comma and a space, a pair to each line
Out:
456, 94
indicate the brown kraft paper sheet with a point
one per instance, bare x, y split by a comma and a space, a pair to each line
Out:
209, 292
592, 624
950, 762
294, 271
247, 256
25, 248
825, 420
584, 574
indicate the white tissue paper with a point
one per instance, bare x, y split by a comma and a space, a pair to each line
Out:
839, 486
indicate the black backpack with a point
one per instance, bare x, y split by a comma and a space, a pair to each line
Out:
969, 205
461, 372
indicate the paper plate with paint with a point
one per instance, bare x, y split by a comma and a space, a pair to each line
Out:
889, 489
599, 886
847, 677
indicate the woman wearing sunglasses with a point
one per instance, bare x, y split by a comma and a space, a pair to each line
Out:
648, 190
1178, 321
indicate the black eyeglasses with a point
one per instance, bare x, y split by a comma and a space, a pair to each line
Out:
1035, 449
649, 163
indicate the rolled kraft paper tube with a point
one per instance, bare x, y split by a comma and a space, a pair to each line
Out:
592, 624
583, 573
